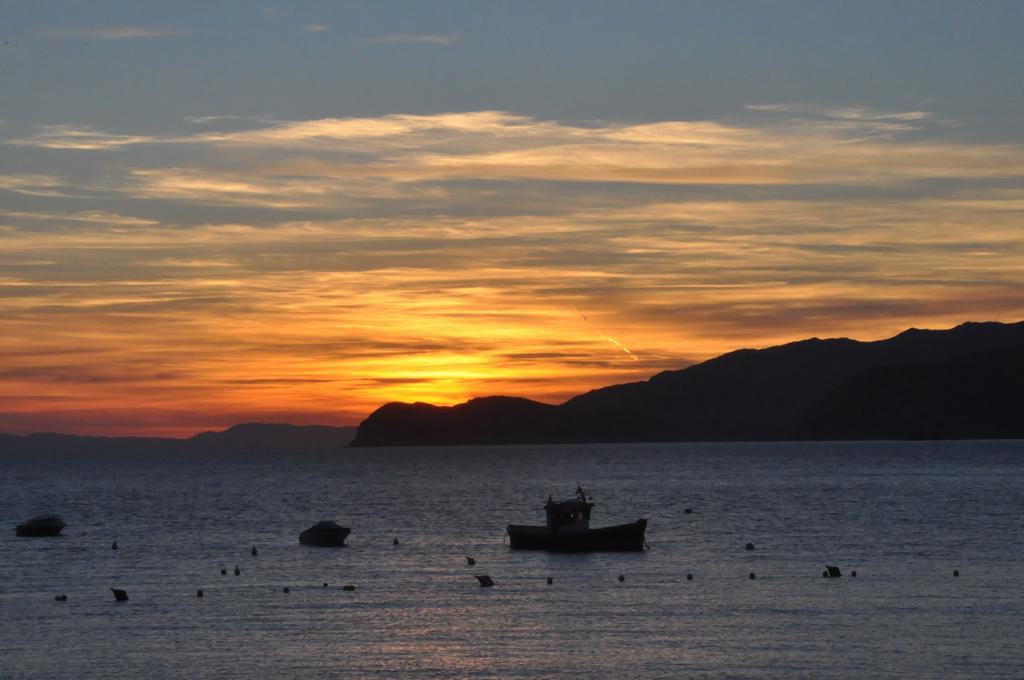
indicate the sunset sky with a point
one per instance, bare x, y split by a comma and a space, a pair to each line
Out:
214, 213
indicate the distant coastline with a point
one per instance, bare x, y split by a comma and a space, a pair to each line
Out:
243, 438
960, 383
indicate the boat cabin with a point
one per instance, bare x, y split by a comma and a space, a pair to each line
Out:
569, 514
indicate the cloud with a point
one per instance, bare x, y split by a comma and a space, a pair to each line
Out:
283, 190
853, 120
412, 38
844, 113
500, 161
90, 217
316, 28
110, 33
353, 261
81, 138
847, 148
205, 120
33, 184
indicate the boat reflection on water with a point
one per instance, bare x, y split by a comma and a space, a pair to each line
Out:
568, 530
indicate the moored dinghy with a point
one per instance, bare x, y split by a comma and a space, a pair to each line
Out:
326, 534
568, 530
44, 525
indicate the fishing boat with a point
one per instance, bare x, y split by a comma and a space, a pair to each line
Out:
568, 530
326, 534
44, 525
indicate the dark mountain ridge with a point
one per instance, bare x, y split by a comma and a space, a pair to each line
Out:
956, 383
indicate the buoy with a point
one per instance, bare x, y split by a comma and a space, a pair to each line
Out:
749, 546
119, 595
114, 546
688, 511
253, 551
395, 542
485, 580
752, 576
199, 593
824, 574
853, 574
238, 572
956, 572
223, 572
470, 561
60, 598
286, 589
325, 585
689, 577
621, 578
550, 580
348, 588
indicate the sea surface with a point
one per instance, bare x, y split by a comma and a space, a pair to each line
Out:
904, 516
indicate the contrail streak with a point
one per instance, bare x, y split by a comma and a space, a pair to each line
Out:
621, 346
608, 337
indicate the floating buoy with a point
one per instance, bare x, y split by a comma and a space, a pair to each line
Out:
688, 511
223, 572
853, 574
325, 585
824, 574
114, 546
749, 546
621, 578
238, 572
395, 542
199, 593
253, 551
119, 595
485, 580
470, 561
550, 580
689, 577
60, 598
286, 589
752, 576
956, 572
348, 588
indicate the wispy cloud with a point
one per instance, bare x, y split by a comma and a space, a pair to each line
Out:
413, 38
316, 28
109, 32
83, 138
332, 163
844, 113
97, 217
848, 148
852, 119
33, 185
438, 257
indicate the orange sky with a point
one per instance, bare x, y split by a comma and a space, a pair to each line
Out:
310, 270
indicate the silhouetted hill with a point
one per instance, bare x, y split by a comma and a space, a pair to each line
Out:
245, 438
969, 397
934, 384
478, 421
273, 437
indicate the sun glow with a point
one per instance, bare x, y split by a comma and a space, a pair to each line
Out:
460, 257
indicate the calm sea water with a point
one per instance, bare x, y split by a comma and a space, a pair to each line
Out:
904, 516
